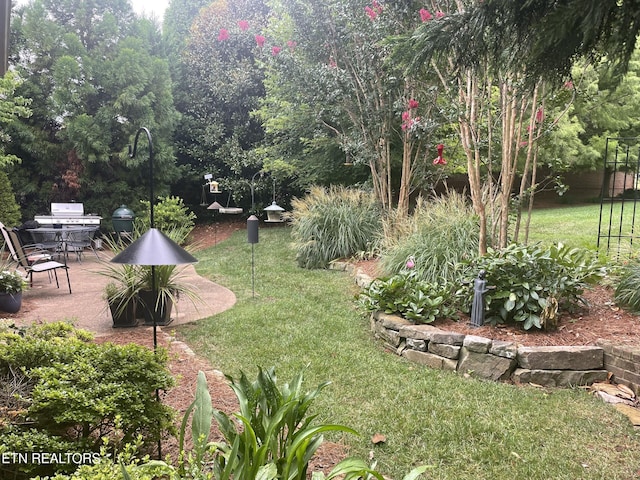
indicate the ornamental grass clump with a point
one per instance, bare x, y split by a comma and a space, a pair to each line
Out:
335, 222
627, 293
441, 233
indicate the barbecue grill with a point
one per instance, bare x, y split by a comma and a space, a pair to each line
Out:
68, 214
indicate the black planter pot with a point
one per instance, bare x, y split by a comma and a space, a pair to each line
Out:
146, 304
10, 302
124, 318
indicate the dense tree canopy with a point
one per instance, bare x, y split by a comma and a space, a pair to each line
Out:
545, 37
300, 88
223, 83
339, 91
94, 74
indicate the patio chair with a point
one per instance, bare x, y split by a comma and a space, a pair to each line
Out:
77, 240
33, 253
50, 241
48, 266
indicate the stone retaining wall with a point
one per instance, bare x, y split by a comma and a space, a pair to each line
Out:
559, 366
490, 359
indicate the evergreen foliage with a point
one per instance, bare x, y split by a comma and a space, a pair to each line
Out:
545, 36
96, 75
70, 392
9, 209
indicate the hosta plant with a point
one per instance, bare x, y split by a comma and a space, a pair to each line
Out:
414, 299
529, 283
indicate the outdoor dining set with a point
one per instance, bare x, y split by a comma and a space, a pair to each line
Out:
45, 244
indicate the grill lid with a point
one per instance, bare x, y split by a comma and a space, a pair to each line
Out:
67, 209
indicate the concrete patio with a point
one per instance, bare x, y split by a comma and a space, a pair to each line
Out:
87, 309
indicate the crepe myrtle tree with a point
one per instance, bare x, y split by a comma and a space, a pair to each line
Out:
333, 80
501, 116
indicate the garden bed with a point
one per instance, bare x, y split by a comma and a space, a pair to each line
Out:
599, 319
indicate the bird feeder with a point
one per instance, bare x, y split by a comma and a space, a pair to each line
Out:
274, 213
214, 187
439, 160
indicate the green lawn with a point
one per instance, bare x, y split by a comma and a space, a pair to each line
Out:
578, 226
465, 428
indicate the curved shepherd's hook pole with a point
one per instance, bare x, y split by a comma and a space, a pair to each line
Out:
154, 289
132, 154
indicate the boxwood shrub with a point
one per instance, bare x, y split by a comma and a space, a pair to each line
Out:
64, 393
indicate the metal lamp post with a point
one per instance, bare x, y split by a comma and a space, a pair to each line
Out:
152, 249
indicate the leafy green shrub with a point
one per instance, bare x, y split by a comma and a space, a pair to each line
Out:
170, 215
441, 233
334, 223
529, 282
408, 296
627, 292
9, 208
79, 391
127, 464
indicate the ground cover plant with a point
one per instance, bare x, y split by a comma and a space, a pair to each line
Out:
68, 392
406, 295
464, 427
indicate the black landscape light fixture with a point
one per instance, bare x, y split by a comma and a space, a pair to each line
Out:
252, 238
152, 249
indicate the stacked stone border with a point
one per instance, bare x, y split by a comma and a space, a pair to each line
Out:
550, 366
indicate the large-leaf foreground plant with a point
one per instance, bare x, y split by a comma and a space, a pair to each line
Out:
271, 437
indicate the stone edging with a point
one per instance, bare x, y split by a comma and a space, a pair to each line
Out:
553, 366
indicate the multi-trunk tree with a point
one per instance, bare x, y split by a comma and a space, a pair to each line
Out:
336, 85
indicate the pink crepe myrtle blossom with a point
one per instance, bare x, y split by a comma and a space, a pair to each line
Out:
275, 50
409, 123
371, 13
376, 6
260, 40
568, 85
425, 16
540, 115
524, 144
243, 25
413, 104
410, 263
439, 15
223, 35
292, 45
332, 63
